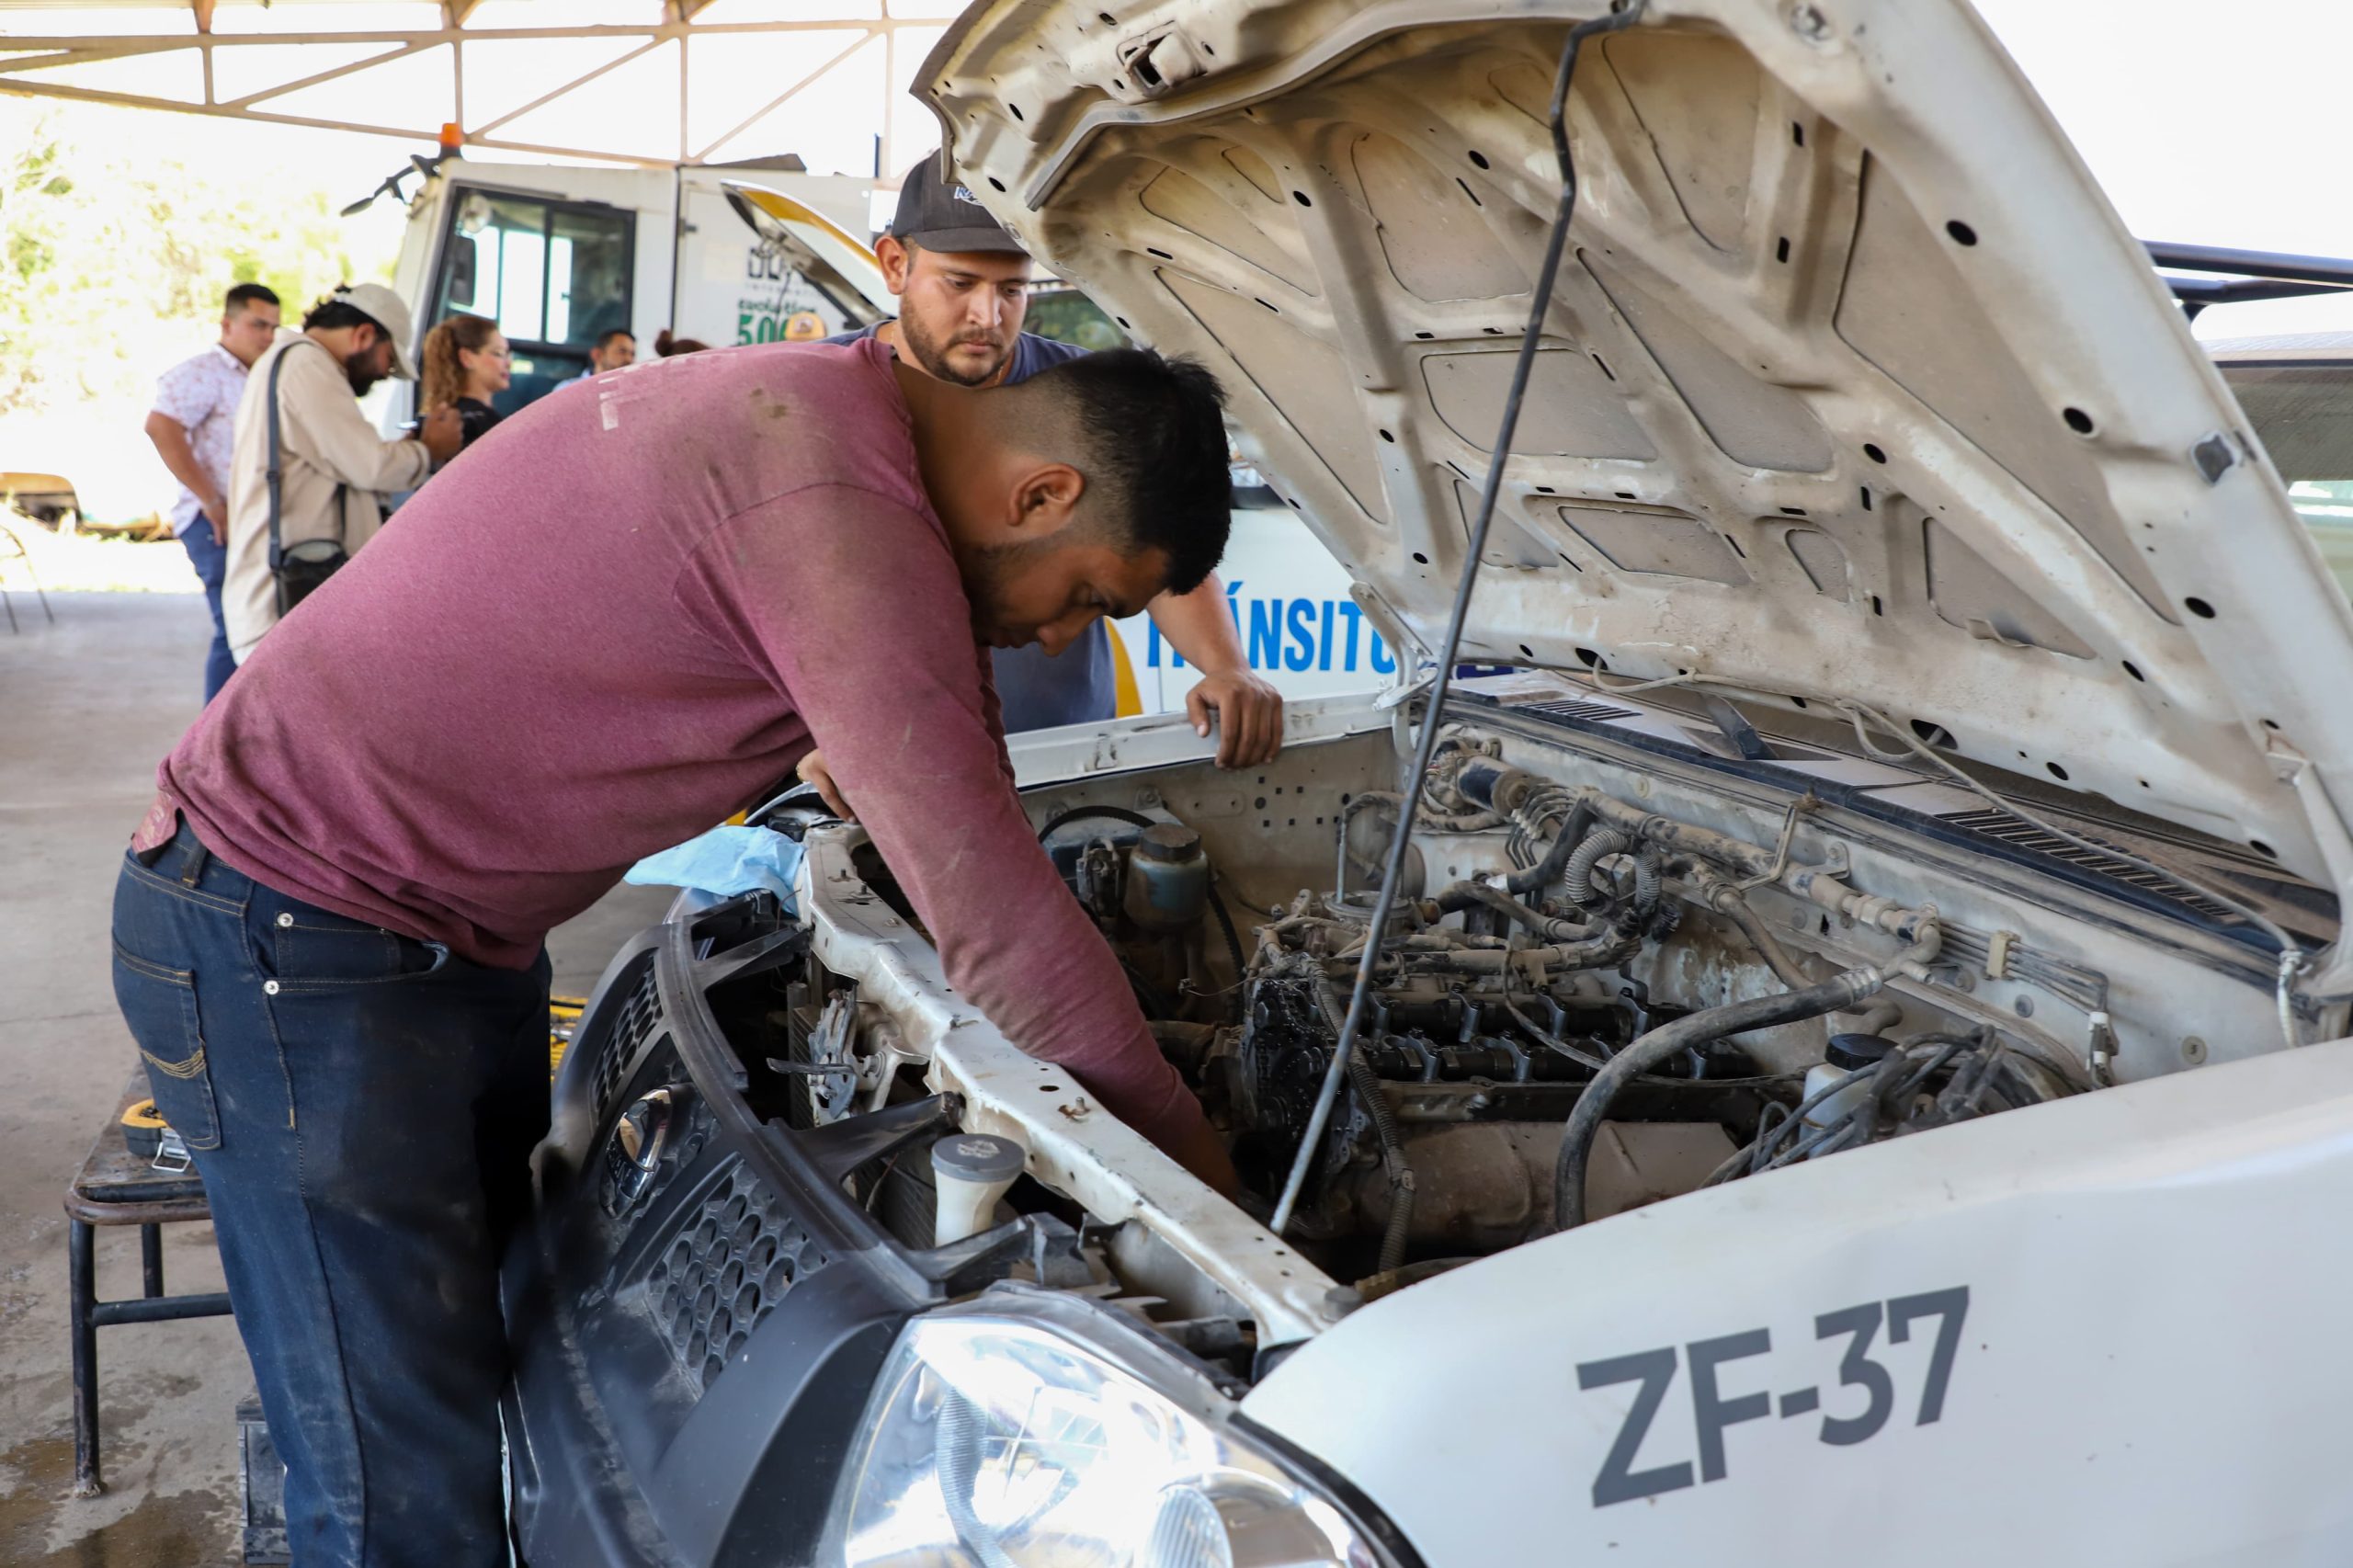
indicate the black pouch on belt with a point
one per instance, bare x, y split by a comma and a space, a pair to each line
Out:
298, 570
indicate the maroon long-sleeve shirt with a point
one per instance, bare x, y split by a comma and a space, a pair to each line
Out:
610, 624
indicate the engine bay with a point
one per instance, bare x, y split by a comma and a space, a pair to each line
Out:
1613, 979
1499, 1000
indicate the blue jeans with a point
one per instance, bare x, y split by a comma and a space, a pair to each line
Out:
362, 1107
211, 562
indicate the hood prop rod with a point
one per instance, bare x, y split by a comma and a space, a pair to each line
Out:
1623, 13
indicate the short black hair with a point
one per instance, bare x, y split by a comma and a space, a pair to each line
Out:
1155, 430
334, 311
245, 294
605, 338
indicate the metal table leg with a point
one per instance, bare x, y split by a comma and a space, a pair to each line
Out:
82, 1266
151, 1260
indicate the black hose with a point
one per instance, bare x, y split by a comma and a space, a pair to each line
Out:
1463, 895
1548, 870
1233, 947
1664, 1043
1116, 814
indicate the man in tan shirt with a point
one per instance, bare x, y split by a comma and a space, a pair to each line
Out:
333, 464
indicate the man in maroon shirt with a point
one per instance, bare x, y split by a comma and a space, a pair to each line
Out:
614, 620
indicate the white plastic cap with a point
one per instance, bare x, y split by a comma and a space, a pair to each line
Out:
972, 1170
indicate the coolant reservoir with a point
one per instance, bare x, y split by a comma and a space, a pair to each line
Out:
1848, 1054
972, 1170
1168, 879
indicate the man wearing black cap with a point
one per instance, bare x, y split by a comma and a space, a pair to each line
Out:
963, 288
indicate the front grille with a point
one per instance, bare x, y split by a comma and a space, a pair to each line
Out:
696, 1127
2024, 834
732, 1259
1586, 713
640, 1012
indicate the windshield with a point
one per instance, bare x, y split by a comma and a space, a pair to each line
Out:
2304, 415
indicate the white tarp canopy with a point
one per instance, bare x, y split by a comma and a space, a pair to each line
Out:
656, 82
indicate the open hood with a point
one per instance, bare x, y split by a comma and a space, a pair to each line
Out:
1853, 387
837, 263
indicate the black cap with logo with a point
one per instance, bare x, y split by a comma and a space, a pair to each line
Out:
938, 213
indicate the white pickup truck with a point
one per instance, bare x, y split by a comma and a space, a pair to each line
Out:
1929, 725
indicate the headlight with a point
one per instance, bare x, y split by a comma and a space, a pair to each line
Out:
1055, 1439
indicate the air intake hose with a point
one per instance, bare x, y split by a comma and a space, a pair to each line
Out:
1666, 1042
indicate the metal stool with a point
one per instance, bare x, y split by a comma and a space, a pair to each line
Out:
116, 1187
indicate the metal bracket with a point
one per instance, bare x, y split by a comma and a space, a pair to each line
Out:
1773, 873
1997, 954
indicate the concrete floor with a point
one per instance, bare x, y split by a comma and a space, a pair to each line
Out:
87, 709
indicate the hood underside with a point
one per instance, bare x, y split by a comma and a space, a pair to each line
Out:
1852, 387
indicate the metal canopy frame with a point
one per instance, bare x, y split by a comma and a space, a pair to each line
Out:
2233, 276
23, 59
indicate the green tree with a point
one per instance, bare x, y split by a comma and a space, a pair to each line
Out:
116, 260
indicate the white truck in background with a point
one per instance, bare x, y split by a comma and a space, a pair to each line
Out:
558, 256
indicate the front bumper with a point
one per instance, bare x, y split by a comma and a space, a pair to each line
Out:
690, 1357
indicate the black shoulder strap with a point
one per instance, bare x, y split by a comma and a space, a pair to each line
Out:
276, 474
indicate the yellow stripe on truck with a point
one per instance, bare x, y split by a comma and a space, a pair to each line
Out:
1127, 700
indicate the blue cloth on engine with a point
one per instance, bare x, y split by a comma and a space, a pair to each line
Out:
725, 861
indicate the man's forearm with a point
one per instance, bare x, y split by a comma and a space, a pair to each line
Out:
1249, 710
898, 697
172, 445
1198, 625
335, 436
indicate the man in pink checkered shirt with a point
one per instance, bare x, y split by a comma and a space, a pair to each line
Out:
192, 425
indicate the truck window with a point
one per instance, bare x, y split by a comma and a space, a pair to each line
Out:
554, 275
2303, 413
1061, 312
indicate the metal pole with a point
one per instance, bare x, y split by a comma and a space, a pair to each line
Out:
82, 1293
169, 1309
